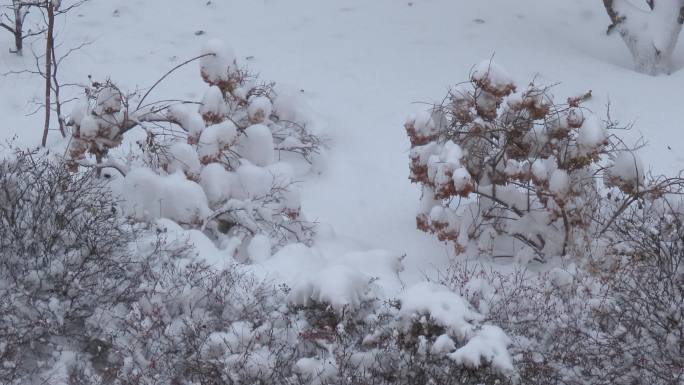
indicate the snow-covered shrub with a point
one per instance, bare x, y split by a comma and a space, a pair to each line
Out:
62, 254
193, 323
498, 166
87, 298
427, 335
642, 319
616, 320
501, 166
546, 316
223, 165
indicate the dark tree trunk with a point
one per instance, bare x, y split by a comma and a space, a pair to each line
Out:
18, 28
49, 45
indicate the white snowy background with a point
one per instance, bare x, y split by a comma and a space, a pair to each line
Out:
359, 68
362, 67
356, 69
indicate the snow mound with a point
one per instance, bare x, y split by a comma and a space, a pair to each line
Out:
204, 248
257, 145
481, 343
213, 106
492, 77
216, 138
329, 271
147, 196
487, 345
219, 61
259, 109
217, 183
627, 168
188, 118
559, 183
256, 181
540, 170
339, 286
89, 127
444, 307
182, 157
319, 371
259, 248
591, 134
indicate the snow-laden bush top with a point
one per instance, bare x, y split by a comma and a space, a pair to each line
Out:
223, 165
548, 178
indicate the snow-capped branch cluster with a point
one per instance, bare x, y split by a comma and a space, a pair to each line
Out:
234, 104
222, 165
498, 164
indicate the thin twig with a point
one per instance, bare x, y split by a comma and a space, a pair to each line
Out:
169, 73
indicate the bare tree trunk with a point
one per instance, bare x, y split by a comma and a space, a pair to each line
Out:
650, 36
49, 46
18, 26
56, 88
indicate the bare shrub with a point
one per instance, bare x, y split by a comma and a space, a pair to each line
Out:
62, 252
617, 322
88, 298
643, 318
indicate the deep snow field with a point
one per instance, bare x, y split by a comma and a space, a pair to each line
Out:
360, 67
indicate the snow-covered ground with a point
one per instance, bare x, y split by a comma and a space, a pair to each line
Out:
361, 67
